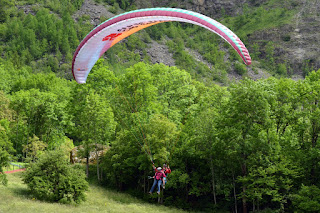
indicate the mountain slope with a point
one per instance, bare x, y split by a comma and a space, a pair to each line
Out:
282, 37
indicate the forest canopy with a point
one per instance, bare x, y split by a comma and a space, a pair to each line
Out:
258, 135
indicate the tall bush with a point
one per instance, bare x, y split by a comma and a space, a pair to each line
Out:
52, 178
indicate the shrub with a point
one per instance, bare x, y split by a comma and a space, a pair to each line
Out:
286, 38
4, 158
3, 179
52, 178
240, 68
282, 69
307, 199
114, 9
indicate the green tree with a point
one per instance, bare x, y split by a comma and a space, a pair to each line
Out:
307, 126
245, 126
6, 148
201, 131
45, 116
94, 121
307, 199
5, 10
34, 149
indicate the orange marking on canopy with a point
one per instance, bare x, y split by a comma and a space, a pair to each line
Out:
131, 31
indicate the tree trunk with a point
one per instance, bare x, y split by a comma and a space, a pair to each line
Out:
244, 198
213, 182
97, 155
144, 181
97, 158
17, 133
234, 193
187, 198
28, 127
87, 166
148, 187
98, 170
187, 194
314, 139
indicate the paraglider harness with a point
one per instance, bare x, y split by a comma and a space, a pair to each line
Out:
155, 169
164, 171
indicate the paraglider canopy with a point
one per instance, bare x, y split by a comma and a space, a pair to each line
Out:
110, 32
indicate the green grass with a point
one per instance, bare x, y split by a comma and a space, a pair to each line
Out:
17, 198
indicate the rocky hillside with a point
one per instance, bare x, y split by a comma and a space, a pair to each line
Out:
296, 43
285, 45
213, 8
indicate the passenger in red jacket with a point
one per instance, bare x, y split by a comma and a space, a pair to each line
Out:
166, 170
158, 179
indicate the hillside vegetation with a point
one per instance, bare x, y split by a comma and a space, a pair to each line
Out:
31, 35
251, 145
258, 136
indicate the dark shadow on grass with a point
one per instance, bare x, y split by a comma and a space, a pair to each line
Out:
125, 197
19, 188
27, 194
22, 192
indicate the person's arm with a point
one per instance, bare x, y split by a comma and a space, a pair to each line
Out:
163, 174
168, 170
153, 166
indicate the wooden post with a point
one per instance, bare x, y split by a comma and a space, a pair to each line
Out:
160, 196
159, 199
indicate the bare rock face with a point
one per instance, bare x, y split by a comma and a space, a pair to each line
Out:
199, 2
27, 9
94, 10
212, 8
297, 43
159, 53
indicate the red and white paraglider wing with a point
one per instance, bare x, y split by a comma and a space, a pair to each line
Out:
107, 34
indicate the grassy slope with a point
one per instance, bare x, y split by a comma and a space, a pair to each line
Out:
16, 198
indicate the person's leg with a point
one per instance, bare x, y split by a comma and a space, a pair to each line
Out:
154, 185
159, 184
163, 182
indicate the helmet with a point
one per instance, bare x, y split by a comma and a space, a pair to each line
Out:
159, 168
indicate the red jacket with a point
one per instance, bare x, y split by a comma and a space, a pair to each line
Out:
167, 171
